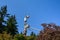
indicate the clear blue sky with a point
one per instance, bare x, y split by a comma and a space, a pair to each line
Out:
40, 11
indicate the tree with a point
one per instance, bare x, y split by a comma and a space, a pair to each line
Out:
5, 36
50, 32
3, 14
12, 25
20, 37
32, 36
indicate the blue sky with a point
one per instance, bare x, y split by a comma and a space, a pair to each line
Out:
40, 11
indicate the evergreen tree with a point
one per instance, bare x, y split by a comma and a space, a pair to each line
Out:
3, 14
32, 34
20, 37
12, 25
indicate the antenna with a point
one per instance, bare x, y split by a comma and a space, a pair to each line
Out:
26, 25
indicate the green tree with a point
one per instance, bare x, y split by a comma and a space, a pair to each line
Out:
5, 36
12, 25
20, 37
3, 14
32, 36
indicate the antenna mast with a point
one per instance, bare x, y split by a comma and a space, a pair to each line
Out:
26, 26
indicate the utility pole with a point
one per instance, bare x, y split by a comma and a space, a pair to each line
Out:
26, 26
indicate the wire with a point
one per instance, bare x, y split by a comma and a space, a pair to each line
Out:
34, 29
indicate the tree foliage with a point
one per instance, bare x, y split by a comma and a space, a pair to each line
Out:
20, 37
5, 36
3, 14
50, 32
12, 25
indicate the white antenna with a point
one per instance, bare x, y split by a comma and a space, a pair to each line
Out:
26, 26
25, 18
